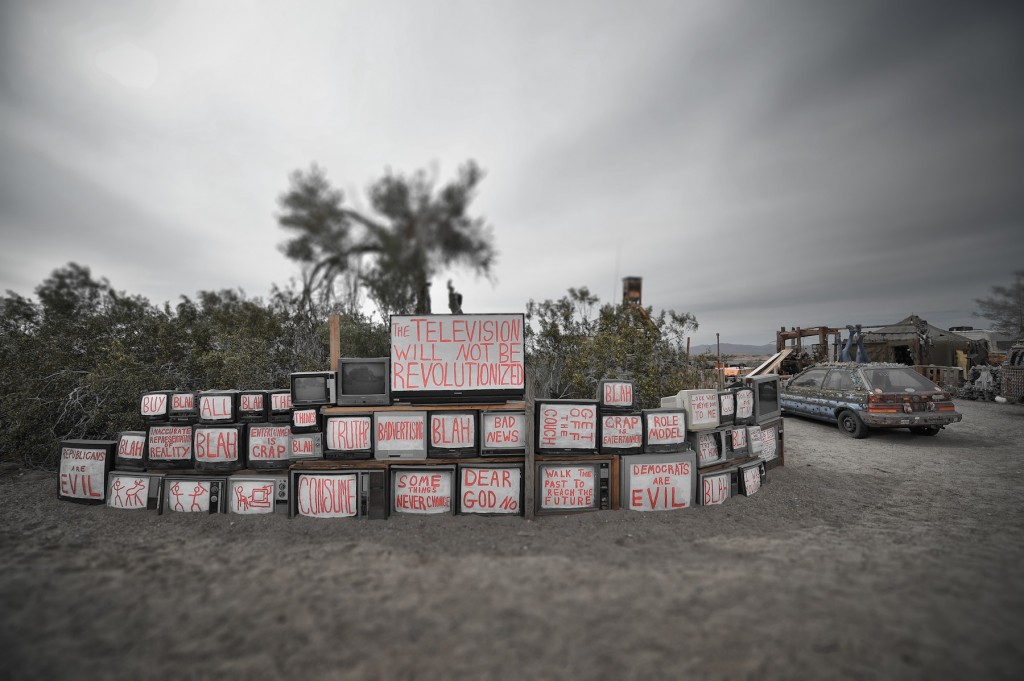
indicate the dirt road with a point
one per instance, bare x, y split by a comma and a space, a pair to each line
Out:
894, 557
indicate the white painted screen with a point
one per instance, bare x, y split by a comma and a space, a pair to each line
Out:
216, 444
128, 491
188, 496
659, 486
715, 489
251, 497
503, 431
348, 433
452, 431
422, 492
621, 431
153, 405
400, 431
216, 407
567, 487
327, 495
170, 443
666, 428
490, 490
82, 472
269, 442
567, 426
744, 404
131, 446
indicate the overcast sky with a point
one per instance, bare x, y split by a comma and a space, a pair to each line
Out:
759, 164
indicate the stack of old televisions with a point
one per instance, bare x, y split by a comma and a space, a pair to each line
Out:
209, 452
382, 459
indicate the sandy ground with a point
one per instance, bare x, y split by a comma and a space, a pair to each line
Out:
898, 556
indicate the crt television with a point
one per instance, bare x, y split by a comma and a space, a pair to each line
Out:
363, 381
771, 440
716, 488
218, 406
568, 486
84, 465
169, 445
399, 435
452, 434
766, 397
710, 447
621, 433
312, 388
184, 408
134, 490
194, 493
659, 482
490, 488
155, 405
744, 398
348, 436
306, 419
565, 427
280, 406
752, 477
220, 447
664, 430
701, 407
338, 493
502, 432
738, 444
257, 493
422, 490
268, 445
616, 394
131, 450
253, 406
726, 407
305, 446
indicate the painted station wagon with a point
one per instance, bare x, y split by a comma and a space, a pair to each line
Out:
857, 397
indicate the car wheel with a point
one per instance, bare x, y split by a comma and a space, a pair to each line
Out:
850, 424
925, 430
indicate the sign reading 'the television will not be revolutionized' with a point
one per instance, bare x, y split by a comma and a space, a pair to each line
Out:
457, 352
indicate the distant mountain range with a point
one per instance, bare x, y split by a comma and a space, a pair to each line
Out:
736, 349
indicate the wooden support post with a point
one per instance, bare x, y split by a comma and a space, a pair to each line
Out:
529, 468
334, 324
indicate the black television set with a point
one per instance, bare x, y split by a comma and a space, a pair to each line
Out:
184, 493
490, 489
752, 477
744, 415
616, 394
305, 446
726, 407
701, 407
348, 436
280, 406
257, 493
84, 465
338, 493
458, 358
572, 486
664, 430
134, 490
717, 487
306, 420
621, 433
565, 427
452, 434
709, 446
184, 408
738, 444
169, 446
312, 388
218, 406
502, 432
766, 397
422, 490
154, 405
363, 381
659, 482
220, 447
131, 450
268, 445
253, 406
399, 435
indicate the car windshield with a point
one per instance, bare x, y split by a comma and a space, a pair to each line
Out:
897, 379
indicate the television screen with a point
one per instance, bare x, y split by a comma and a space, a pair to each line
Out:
340, 493
269, 445
134, 490
565, 427
572, 486
363, 381
253, 406
452, 434
744, 407
169, 446
250, 494
491, 489
348, 436
659, 482
621, 433
701, 407
305, 446
154, 405
709, 446
306, 420
457, 358
664, 430
726, 407
280, 406
770, 441
183, 407
422, 490
131, 450
194, 494
219, 447
738, 442
218, 406
715, 488
751, 477
399, 435
616, 395
766, 397
84, 465
503, 433
754, 440
313, 388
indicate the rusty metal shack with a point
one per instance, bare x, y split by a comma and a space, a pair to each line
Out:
914, 341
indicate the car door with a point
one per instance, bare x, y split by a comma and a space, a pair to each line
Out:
842, 389
803, 393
